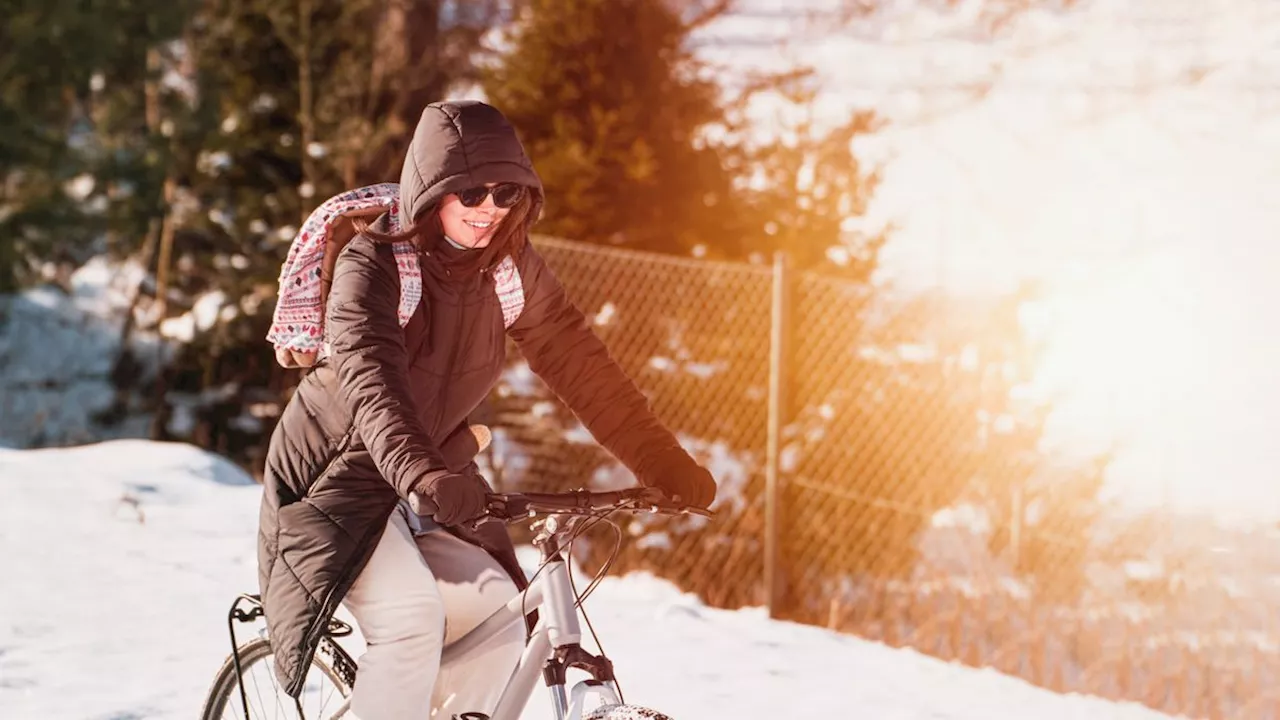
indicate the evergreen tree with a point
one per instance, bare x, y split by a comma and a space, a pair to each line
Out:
640, 147
298, 100
294, 101
76, 157
609, 102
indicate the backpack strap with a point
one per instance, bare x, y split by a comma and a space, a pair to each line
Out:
341, 231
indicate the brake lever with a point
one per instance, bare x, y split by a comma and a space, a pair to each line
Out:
474, 525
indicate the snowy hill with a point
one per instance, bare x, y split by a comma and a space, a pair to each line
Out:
121, 559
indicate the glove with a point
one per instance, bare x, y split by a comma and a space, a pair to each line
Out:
451, 498
680, 477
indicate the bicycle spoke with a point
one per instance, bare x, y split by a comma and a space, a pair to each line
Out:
267, 700
256, 691
325, 701
275, 692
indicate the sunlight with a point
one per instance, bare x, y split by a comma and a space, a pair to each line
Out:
1148, 355
1119, 347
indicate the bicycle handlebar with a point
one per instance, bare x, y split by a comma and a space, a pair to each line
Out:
509, 507
518, 506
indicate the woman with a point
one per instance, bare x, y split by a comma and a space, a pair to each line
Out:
384, 415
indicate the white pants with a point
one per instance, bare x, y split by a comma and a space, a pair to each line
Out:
415, 595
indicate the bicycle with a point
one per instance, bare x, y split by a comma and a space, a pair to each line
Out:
552, 646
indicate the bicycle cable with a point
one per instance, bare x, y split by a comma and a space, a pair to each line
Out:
524, 598
524, 594
578, 599
604, 568
577, 531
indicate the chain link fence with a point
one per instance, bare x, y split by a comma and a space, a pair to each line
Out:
913, 506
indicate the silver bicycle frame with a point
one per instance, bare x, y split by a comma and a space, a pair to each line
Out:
551, 594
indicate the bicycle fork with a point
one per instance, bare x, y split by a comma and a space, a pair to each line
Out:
570, 706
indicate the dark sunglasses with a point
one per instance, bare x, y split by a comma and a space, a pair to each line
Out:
504, 195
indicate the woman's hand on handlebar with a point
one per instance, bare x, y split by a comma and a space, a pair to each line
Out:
450, 498
683, 479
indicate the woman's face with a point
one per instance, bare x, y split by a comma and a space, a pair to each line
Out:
472, 227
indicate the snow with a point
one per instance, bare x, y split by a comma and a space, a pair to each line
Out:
605, 316
79, 187
122, 558
57, 349
731, 468
519, 380
203, 315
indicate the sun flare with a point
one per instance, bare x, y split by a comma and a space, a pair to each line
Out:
1134, 359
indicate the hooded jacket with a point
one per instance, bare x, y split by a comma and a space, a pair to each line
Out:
391, 403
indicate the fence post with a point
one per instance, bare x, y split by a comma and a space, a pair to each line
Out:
774, 573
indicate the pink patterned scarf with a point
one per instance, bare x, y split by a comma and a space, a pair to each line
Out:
297, 327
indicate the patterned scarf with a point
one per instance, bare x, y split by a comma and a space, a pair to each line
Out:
298, 321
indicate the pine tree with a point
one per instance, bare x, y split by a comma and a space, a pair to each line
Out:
638, 146
291, 101
298, 100
75, 165
606, 97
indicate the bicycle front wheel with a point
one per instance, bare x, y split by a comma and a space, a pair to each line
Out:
323, 695
625, 712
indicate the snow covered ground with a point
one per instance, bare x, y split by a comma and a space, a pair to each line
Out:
120, 560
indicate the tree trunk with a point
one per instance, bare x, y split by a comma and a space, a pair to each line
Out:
306, 118
160, 419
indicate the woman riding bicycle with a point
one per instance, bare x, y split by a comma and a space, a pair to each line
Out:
384, 415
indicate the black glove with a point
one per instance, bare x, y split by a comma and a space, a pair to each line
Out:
679, 476
451, 498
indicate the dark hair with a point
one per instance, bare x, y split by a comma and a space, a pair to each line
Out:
426, 233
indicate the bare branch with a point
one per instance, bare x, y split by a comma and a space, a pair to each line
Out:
709, 14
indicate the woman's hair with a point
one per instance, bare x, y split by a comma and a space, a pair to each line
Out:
426, 233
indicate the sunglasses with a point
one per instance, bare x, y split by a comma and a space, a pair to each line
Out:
504, 195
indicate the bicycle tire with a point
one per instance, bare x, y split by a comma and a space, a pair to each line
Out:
625, 712
224, 687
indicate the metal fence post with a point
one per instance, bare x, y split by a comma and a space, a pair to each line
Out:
774, 573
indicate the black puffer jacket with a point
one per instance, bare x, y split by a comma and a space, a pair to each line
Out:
390, 404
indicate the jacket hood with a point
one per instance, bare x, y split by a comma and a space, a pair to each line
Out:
462, 144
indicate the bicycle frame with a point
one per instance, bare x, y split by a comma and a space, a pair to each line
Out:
552, 647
